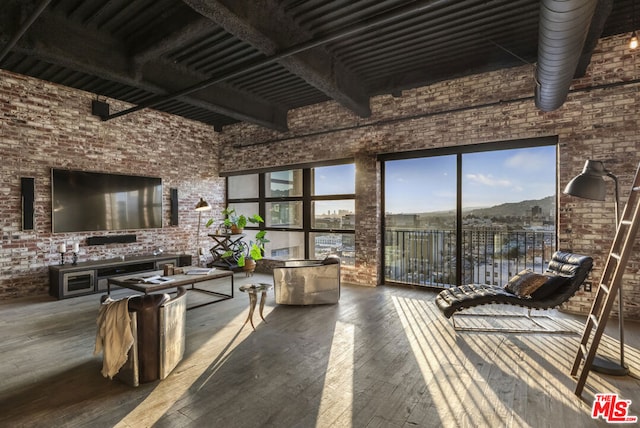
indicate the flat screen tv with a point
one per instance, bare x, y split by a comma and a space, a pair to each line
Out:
92, 201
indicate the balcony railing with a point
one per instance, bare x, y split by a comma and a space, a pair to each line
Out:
429, 257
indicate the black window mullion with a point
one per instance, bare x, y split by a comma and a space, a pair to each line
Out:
307, 198
340, 197
459, 250
306, 209
262, 207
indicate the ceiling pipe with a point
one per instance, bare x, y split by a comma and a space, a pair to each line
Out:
563, 29
24, 27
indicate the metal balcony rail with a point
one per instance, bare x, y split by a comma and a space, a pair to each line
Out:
428, 257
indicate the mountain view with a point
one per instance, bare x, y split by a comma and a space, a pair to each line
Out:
512, 209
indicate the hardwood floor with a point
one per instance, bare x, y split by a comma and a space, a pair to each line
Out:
382, 357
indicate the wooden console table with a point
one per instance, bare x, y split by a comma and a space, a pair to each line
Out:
69, 280
180, 280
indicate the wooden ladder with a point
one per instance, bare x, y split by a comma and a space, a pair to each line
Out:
610, 282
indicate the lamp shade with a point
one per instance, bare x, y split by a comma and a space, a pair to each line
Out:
589, 184
202, 205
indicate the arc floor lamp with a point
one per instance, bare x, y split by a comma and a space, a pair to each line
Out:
590, 184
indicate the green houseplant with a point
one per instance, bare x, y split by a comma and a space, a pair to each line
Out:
245, 253
252, 251
234, 221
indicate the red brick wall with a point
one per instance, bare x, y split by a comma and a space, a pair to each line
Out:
598, 121
44, 126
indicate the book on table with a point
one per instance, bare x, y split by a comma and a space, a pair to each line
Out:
200, 271
154, 279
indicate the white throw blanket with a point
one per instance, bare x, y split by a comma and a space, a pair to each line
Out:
114, 336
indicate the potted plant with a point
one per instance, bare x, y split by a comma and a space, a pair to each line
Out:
245, 254
236, 222
251, 252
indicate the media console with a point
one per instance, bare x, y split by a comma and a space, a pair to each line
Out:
91, 277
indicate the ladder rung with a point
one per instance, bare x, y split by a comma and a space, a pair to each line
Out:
583, 350
615, 256
604, 288
594, 320
626, 222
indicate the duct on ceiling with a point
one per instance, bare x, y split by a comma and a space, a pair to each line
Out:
563, 28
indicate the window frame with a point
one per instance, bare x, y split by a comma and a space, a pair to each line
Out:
307, 198
459, 151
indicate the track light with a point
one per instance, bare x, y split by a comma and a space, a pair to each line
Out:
633, 43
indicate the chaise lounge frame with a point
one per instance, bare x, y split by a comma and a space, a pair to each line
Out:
575, 267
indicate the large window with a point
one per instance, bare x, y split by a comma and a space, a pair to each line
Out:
308, 212
470, 216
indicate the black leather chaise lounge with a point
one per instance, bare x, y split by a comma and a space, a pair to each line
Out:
564, 276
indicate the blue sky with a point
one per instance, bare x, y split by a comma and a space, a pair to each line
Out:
488, 178
335, 179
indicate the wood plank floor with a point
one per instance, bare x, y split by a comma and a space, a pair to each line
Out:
382, 357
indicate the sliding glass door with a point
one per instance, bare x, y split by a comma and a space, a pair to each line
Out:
470, 216
420, 220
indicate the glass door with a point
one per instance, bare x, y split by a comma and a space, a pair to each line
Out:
420, 220
508, 212
470, 216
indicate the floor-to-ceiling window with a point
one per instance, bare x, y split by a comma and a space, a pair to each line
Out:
309, 212
469, 214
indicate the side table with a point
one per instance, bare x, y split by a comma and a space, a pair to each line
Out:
252, 290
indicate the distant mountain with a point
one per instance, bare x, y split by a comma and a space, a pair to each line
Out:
510, 209
515, 209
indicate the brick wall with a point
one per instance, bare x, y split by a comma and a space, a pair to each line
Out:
43, 126
598, 121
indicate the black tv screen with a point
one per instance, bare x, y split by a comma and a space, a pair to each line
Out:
91, 201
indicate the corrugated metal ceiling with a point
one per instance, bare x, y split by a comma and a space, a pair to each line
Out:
140, 50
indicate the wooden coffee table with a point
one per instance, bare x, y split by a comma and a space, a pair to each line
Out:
135, 282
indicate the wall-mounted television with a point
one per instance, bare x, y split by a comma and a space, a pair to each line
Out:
84, 201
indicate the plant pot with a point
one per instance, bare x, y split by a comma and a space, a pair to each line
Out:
249, 266
235, 230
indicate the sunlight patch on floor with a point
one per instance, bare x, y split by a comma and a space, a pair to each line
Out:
336, 404
185, 375
446, 371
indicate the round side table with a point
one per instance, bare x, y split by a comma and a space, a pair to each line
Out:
252, 290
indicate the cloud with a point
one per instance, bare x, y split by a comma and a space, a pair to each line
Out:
488, 180
527, 162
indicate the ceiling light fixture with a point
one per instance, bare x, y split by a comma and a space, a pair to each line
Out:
633, 43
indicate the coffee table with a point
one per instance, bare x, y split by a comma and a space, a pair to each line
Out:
136, 282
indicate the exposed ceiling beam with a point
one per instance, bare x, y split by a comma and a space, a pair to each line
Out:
143, 53
238, 106
23, 28
367, 24
87, 51
265, 26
